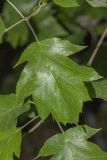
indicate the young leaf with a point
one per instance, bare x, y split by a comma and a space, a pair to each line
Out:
10, 110
2, 29
98, 3
66, 3
55, 82
73, 145
10, 143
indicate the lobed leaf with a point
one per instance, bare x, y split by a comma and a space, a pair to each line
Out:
55, 82
73, 144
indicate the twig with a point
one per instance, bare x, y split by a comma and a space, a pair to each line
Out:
29, 122
60, 127
15, 9
26, 19
14, 25
97, 48
32, 30
35, 12
36, 126
36, 158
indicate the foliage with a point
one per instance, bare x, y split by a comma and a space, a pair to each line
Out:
51, 79
55, 77
73, 144
10, 142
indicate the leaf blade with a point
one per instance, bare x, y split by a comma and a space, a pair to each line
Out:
10, 143
50, 73
73, 144
9, 109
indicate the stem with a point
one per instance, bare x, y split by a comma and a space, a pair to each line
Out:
35, 12
26, 19
36, 158
36, 126
97, 48
60, 127
29, 122
14, 25
32, 30
15, 8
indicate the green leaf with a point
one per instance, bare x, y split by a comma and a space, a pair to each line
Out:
98, 89
10, 143
55, 82
66, 3
73, 145
2, 29
10, 110
98, 3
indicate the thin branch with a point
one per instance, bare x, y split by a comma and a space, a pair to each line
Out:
14, 25
36, 126
26, 19
60, 127
29, 122
15, 8
36, 11
97, 47
36, 158
32, 30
